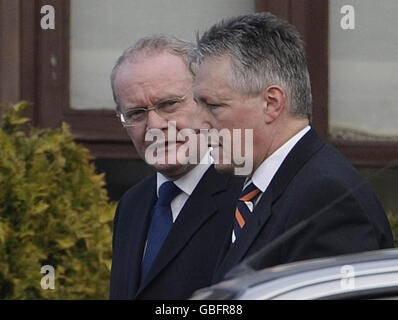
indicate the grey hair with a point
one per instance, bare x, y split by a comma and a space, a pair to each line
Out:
264, 50
149, 45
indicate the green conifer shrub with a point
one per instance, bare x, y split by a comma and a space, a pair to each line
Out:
54, 210
393, 218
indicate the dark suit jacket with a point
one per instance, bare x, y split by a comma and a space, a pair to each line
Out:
188, 257
311, 177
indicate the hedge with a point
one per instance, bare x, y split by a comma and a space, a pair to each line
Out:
54, 211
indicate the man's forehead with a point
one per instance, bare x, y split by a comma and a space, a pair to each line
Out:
156, 77
218, 67
222, 62
212, 77
154, 70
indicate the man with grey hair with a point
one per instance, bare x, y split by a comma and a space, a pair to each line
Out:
251, 73
168, 229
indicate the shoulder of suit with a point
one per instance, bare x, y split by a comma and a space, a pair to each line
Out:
145, 185
213, 176
325, 181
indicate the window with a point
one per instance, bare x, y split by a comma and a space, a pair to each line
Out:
74, 61
65, 71
353, 74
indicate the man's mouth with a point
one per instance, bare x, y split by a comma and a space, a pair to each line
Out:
164, 144
215, 145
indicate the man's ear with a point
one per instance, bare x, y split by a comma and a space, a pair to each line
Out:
275, 102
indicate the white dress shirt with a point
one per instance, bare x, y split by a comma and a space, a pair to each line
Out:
186, 183
264, 174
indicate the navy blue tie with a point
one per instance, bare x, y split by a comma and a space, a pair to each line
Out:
161, 223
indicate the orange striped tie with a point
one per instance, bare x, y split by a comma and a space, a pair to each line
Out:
244, 207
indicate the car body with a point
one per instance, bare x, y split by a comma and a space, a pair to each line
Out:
366, 275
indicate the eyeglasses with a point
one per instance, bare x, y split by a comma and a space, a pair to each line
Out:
138, 116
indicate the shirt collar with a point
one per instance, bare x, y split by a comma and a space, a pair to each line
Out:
187, 183
265, 172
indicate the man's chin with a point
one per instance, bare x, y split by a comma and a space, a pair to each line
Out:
232, 170
172, 171
228, 169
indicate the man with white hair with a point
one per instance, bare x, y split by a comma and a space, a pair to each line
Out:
168, 229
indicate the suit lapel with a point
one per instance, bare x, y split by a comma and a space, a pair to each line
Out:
298, 156
197, 210
138, 232
239, 248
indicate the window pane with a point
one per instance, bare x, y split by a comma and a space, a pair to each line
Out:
102, 29
364, 71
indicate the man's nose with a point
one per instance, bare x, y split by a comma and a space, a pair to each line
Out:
202, 119
155, 121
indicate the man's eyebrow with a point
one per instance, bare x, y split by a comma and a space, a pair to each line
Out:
199, 98
209, 100
130, 106
167, 97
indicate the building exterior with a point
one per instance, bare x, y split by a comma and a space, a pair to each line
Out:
61, 61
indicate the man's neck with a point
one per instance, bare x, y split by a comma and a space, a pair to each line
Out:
285, 132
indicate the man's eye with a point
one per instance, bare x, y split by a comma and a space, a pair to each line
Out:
212, 107
168, 105
135, 114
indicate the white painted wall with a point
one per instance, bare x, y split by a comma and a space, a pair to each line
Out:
364, 67
102, 29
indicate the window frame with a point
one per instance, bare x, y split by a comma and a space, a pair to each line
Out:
100, 130
36, 78
309, 15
